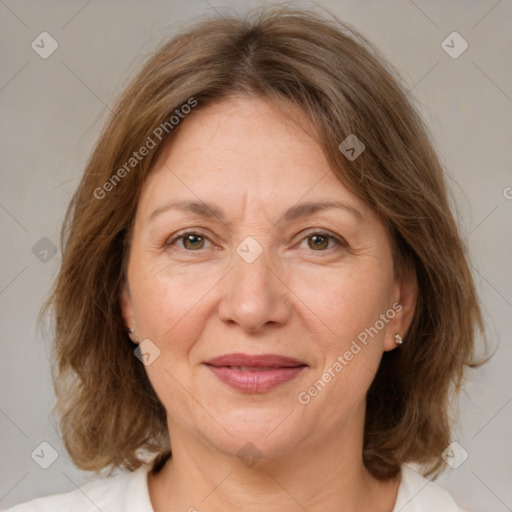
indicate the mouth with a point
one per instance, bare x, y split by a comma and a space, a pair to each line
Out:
255, 373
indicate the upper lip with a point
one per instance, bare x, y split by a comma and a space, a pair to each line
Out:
255, 360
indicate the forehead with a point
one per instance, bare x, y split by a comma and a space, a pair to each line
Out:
246, 147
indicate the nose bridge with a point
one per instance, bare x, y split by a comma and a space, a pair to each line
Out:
255, 295
253, 267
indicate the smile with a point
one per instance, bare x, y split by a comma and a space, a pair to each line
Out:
255, 380
255, 373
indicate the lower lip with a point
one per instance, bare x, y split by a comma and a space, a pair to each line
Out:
255, 381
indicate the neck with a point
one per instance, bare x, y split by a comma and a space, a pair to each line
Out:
315, 476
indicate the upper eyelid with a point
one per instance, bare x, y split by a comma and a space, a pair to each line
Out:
305, 233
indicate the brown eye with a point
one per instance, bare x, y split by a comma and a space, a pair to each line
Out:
192, 241
319, 241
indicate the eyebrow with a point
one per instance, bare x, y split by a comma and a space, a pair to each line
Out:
208, 210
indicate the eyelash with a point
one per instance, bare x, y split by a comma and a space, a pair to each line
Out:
339, 242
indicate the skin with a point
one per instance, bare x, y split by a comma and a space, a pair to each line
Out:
200, 299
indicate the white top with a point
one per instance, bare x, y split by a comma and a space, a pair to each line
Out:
128, 492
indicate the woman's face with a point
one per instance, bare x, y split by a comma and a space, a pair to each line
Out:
258, 274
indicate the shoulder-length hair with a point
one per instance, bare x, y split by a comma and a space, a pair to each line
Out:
109, 412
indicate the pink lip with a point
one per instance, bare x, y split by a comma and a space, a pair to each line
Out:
279, 369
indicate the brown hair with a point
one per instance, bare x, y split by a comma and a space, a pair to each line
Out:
108, 409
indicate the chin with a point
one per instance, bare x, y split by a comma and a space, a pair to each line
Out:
267, 433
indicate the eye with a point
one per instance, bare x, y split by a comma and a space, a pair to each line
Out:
192, 240
319, 241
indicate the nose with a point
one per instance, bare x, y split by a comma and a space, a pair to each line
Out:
256, 294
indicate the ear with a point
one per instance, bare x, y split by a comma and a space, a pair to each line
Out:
404, 298
126, 303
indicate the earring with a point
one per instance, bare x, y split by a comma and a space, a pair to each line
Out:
398, 339
130, 335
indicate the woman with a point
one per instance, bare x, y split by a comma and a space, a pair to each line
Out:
261, 276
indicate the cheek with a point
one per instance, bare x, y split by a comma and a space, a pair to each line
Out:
165, 301
346, 301
167, 306
350, 355
347, 305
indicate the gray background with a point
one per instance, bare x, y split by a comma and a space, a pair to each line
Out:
52, 112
